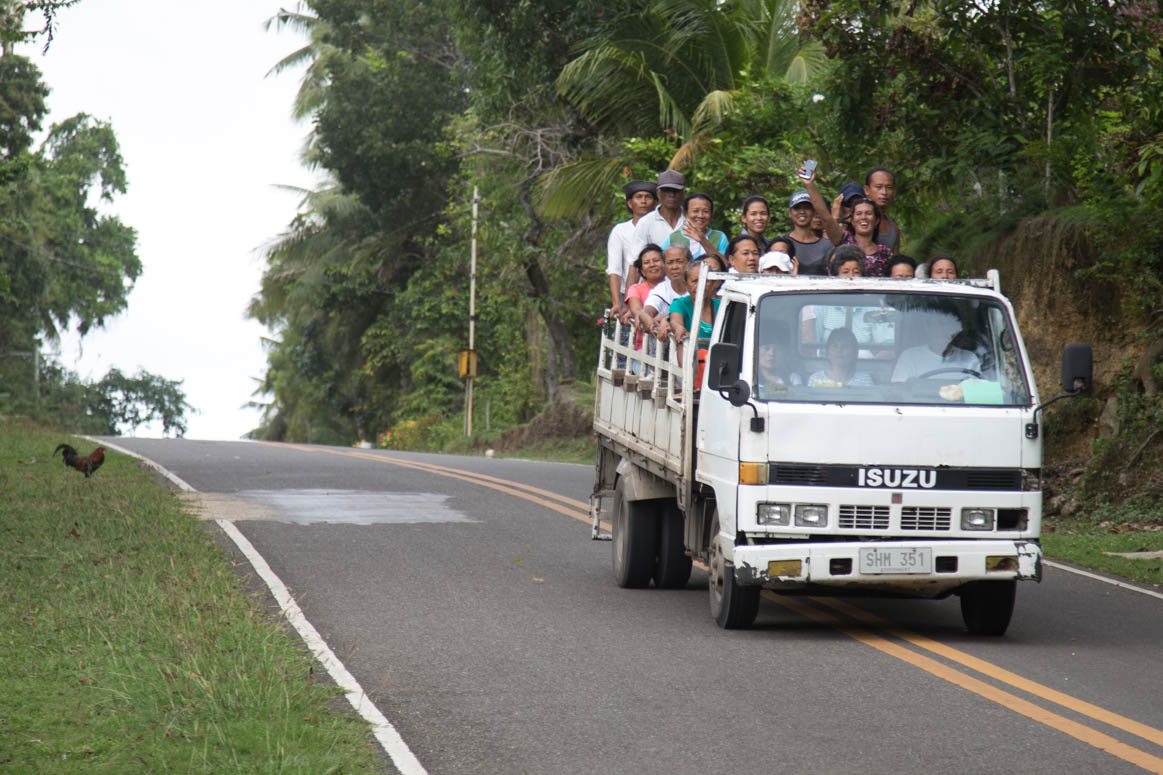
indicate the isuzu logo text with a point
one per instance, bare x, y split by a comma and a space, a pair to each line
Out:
897, 478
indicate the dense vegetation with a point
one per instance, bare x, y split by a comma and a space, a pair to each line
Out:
991, 113
63, 264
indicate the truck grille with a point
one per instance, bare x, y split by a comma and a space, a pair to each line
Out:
864, 517
925, 518
994, 479
783, 473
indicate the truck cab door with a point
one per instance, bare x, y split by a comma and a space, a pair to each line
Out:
717, 436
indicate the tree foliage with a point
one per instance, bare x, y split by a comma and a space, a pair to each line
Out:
988, 112
63, 263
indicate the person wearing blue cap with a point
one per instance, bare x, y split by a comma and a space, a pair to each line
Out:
620, 253
811, 250
842, 204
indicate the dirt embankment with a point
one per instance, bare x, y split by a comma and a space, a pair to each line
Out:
563, 418
1039, 265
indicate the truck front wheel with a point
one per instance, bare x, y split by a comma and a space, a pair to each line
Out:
986, 606
635, 539
732, 606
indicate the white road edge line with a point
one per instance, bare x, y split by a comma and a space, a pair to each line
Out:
1105, 579
394, 745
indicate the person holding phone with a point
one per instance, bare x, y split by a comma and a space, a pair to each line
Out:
809, 248
861, 230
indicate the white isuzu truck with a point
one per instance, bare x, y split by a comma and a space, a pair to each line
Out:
853, 437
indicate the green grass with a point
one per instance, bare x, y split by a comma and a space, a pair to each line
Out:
127, 644
1085, 543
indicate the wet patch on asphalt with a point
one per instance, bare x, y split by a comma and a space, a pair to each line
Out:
322, 506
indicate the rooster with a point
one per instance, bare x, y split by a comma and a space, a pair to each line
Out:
86, 465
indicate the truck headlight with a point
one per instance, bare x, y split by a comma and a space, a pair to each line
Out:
977, 519
774, 514
811, 515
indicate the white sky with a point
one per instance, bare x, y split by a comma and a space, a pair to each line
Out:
205, 137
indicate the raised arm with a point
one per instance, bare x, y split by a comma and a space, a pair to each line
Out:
832, 230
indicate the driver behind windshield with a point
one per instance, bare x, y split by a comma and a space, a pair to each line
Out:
942, 355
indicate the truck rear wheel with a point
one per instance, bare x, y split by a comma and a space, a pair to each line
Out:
674, 565
635, 539
732, 606
986, 606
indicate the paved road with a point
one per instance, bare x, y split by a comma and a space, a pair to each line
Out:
488, 629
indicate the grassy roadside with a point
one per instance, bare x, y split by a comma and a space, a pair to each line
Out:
1096, 545
128, 643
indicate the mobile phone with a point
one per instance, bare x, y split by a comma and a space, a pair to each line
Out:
809, 166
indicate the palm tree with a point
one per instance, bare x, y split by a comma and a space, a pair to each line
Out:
676, 67
316, 55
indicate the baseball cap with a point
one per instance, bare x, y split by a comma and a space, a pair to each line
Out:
634, 186
798, 197
672, 179
778, 259
849, 190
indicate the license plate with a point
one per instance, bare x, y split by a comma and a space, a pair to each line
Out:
896, 559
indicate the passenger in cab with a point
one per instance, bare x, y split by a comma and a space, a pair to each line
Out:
775, 372
696, 232
947, 353
810, 249
655, 312
743, 255
942, 267
880, 187
860, 230
756, 216
841, 352
846, 261
900, 267
682, 310
621, 247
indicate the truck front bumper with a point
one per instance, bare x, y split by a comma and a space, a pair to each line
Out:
837, 565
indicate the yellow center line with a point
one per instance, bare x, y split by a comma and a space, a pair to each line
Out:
1001, 674
515, 489
1026, 708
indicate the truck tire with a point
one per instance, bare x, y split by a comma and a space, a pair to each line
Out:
733, 607
986, 606
674, 565
635, 540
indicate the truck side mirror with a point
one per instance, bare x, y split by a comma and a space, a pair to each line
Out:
723, 365
1077, 368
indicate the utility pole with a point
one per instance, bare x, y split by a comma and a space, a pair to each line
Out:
472, 317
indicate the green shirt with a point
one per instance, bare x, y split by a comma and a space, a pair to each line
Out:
685, 306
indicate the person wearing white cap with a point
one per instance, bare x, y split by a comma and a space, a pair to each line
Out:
777, 262
620, 253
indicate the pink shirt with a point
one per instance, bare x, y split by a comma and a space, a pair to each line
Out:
639, 291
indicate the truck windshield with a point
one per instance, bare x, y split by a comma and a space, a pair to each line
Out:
887, 348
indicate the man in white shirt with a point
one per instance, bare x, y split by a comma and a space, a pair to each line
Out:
659, 223
941, 355
620, 252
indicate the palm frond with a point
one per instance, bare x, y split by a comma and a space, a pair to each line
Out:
572, 189
710, 113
